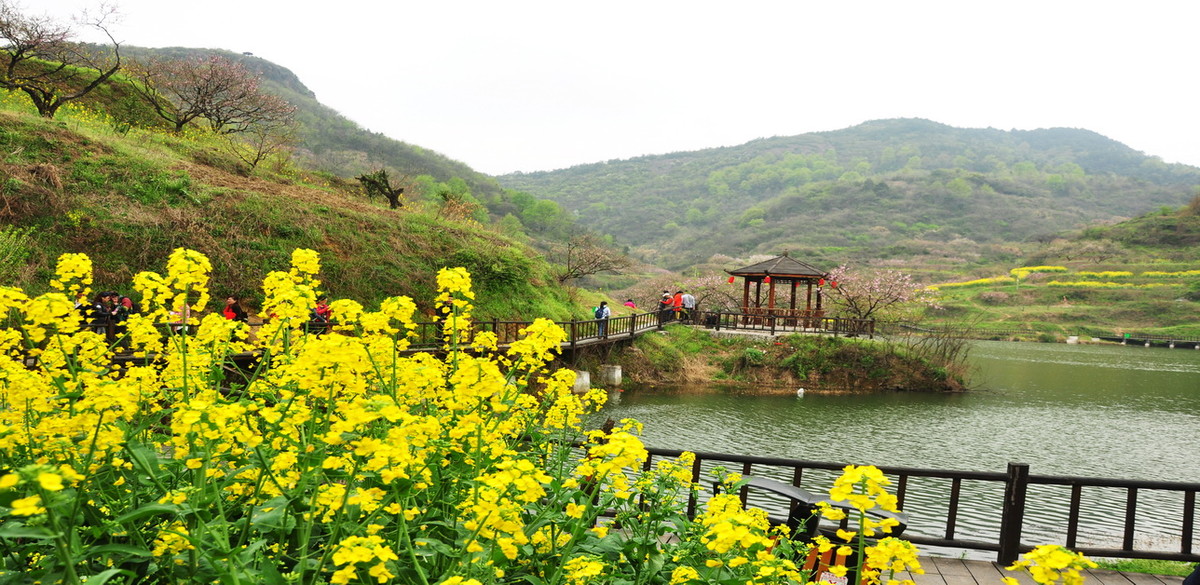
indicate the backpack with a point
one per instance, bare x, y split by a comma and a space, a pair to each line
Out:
598, 312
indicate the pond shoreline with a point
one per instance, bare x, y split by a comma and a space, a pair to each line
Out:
781, 365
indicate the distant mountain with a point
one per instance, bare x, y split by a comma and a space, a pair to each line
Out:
879, 189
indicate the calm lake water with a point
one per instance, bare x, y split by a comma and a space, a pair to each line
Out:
1090, 410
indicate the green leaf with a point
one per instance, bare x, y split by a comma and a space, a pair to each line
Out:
147, 511
146, 460
275, 517
120, 549
428, 547
102, 578
269, 574
19, 530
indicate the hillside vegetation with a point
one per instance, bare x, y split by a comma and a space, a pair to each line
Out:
908, 189
127, 197
1141, 276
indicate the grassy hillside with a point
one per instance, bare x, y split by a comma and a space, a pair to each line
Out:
899, 189
127, 197
1141, 275
330, 142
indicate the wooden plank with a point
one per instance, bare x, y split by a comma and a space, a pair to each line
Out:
1021, 576
1144, 579
930, 577
1105, 577
985, 572
948, 566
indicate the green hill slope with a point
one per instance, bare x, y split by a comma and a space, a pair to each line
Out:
127, 200
883, 189
1140, 276
329, 141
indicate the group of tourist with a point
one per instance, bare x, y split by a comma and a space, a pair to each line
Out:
107, 309
671, 307
675, 307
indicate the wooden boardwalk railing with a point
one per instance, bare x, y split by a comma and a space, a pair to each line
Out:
1157, 527
586, 332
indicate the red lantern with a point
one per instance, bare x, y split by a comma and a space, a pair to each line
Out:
730, 280
821, 282
833, 284
767, 280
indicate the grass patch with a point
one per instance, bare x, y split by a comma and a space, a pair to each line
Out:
1150, 566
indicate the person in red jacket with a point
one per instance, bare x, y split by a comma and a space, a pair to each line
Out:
234, 311
677, 304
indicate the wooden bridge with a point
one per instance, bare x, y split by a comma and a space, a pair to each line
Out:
1099, 517
592, 332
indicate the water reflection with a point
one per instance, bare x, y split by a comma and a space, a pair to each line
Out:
1101, 411
1128, 412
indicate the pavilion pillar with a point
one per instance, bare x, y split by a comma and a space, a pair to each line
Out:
771, 297
808, 301
792, 304
745, 295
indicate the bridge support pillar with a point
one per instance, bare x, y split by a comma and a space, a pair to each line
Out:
610, 376
583, 382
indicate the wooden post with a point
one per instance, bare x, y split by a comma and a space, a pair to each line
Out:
1013, 516
771, 298
745, 295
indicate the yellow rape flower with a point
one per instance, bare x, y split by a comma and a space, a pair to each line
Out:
50, 481
28, 506
73, 275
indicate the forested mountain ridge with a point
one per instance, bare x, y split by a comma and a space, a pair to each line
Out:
899, 187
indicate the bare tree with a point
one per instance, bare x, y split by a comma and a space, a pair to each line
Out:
219, 90
262, 140
41, 58
585, 254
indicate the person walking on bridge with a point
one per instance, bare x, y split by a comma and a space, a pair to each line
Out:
602, 313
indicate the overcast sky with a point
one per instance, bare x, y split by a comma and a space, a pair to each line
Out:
527, 86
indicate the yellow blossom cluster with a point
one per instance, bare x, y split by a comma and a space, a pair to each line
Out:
1024, 271
970, 283
336, 457
1177, 274
1051, 564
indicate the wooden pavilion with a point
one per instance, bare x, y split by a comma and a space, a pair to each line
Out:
777, 273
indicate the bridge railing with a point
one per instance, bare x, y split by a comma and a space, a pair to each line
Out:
783, 324
1138, 519
427, 334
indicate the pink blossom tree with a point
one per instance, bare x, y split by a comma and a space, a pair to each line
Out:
872, 293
